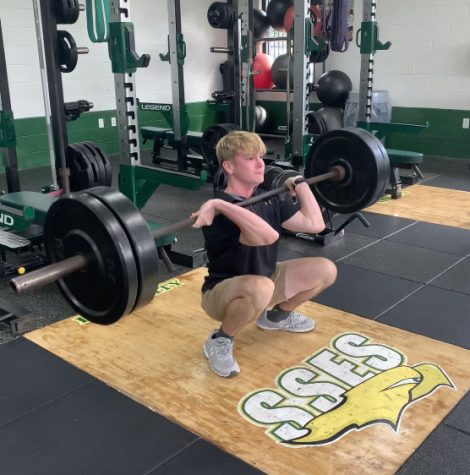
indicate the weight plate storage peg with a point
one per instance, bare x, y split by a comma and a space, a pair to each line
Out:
365, 161
107, 286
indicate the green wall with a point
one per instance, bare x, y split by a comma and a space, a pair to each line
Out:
444, 137
31, 134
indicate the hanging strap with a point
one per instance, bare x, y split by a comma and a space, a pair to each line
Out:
97, 19
335, 26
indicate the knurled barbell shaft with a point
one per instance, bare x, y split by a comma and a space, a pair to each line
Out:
48, 274
53, 272
336, 173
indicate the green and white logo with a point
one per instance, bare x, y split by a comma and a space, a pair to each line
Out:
347, 386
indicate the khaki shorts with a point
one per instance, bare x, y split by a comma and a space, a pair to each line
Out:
214, 300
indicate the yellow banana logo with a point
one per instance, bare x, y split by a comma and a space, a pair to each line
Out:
382, 398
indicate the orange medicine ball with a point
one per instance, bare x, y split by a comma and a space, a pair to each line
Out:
315, 13
289, 19
262, 63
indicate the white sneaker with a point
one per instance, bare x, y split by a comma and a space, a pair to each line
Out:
294, 322
219, 353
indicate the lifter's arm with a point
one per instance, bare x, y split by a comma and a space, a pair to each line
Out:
309, 218
254, 231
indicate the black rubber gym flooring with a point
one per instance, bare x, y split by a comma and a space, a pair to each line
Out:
56, 419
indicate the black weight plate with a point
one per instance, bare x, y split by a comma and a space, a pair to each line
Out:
384, 166
221, 15
219, 180
270, 174
107, 289
315, 123
282, 177
99, 174
140, 237
359, 151
100, 155
210, 139
67, 11
81, 172
68, 54
97, 164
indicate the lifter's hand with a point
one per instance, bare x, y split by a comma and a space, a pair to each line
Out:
290, 184
205, 214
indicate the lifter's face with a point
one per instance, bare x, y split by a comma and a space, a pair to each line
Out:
247, 168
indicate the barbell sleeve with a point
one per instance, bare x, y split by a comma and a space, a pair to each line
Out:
48, 274
336, 173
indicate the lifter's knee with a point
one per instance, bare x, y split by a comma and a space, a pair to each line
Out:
319, 273
328, 271
259, 291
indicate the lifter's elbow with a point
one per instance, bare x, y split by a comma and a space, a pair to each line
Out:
319, 227
260, 239
272, 238
315, 227
268, 237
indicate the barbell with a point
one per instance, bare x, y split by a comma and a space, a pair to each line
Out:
102, 252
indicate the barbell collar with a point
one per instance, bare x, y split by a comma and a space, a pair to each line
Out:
48, 274
336, 173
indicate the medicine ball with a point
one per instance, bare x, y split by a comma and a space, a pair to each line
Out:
260, 23
279, 71
261, 118
289, 19
333, 88
276, 11
262, 63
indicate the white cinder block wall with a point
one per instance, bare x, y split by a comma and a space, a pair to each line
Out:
201, 68
92, 78
428, 64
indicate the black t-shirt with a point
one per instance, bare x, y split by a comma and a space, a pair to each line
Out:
228, 257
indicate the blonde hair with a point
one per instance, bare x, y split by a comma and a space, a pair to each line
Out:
239, 141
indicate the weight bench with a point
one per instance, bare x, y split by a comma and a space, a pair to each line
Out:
398, 158
403, 159
28, 206
160, 134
